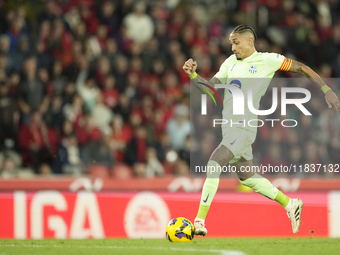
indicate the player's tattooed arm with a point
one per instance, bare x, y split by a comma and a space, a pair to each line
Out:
199, 80
190, 67
298, 67
331, 98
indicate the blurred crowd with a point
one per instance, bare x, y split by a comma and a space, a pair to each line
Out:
97, 87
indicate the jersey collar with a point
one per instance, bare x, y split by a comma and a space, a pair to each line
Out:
250, 57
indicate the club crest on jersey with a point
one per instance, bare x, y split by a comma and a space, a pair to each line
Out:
253, 69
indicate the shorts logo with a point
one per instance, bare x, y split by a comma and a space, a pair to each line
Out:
253, 69
233, 142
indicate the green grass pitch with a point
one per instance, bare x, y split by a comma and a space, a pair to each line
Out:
206, 246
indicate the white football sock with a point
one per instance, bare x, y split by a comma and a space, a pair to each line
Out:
289, 206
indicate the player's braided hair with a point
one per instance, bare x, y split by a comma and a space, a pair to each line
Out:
245, 28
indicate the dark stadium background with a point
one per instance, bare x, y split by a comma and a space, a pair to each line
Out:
96, 89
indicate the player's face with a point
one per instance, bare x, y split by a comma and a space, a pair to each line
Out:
241, 45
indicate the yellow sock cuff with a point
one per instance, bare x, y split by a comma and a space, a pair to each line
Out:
325, 88
282, 199
203, 211
193, 76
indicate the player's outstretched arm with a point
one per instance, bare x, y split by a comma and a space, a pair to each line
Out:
331, 98
190, 67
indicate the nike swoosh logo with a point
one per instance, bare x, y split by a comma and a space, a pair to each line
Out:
206, 199
232, 142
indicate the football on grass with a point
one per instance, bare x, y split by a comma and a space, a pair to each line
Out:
180, 230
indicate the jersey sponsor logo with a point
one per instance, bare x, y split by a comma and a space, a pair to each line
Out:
233, 142
253, 69
235, 83
205, 200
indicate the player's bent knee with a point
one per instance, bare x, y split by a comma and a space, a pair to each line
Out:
249, 182
214, 169
222, 155
244, 176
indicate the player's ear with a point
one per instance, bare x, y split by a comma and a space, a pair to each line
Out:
251, 41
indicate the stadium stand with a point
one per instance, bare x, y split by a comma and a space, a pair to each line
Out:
89, 83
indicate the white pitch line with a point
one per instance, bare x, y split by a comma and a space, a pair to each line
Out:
221, 252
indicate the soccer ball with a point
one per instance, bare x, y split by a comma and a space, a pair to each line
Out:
180, 230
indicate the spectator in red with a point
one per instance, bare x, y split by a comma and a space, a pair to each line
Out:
158, 123
44, 33
88, 15
101, 36
85, 130
13, 84
146, 110
136, 148
121, 135
167, 106
176, 23
133, 65
205, 68
171, 88
38, 142
103, 70
60, 40
110, 93
201, 38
